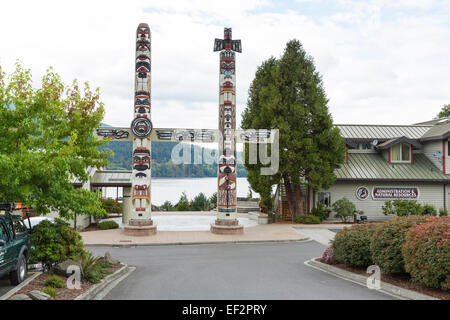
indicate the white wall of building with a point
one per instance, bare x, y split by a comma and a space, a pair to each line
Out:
429, 149
430, 193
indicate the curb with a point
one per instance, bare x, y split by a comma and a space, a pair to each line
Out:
387, 288
11, 292
131, 244
100, 290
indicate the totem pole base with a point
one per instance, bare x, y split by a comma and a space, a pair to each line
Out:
140, 228
227, 227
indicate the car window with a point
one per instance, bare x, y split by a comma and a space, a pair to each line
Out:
18, 225
3, 233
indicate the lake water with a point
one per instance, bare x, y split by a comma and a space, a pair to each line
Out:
171, 188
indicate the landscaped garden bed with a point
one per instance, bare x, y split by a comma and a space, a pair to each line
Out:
412, 252
60, 251
39, 283
400, 280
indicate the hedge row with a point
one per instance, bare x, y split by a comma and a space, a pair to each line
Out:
427, 252
388, 240
418, 245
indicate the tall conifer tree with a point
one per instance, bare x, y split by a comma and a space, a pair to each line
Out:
288, 94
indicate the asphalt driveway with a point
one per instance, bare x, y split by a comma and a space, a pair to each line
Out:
230, 271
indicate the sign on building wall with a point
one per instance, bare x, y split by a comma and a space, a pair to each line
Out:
362, 193
388, 193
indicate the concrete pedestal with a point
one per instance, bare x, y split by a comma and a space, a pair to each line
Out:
140, 228
227, 227
263, 218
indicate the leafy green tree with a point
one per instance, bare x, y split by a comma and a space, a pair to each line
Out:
183, 203
288, 94
46, 141
200, 203
445, 111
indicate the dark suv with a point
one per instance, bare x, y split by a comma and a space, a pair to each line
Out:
15, 244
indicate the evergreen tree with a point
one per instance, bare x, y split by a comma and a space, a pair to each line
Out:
288, 94
183, 203
168, 206
200, 203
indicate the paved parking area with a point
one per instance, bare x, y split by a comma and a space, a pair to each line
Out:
230, 271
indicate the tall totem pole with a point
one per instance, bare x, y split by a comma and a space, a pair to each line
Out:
141, 127
226, 189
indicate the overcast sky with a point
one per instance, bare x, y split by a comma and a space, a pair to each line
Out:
382, 61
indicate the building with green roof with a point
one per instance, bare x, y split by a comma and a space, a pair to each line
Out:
387, 162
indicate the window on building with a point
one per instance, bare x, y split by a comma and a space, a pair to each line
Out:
448, 147
324, 198
364, 146
401, 153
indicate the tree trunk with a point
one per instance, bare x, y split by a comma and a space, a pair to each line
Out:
298, 200
290, 197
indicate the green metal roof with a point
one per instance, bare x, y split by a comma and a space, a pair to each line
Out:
438, 131
382, 132
373, 166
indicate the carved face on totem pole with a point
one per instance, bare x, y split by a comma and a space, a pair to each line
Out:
143, 38
142, 102
141, 159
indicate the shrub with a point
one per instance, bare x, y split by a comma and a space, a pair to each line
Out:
427, 252
104, 264
321, 211
111, 205
443, 212
91, 267
55, 242
387, 241
428, 209
344, 209
402, 207
54, 282
328, 256
352, 245
108, 224
52, 292
308, 219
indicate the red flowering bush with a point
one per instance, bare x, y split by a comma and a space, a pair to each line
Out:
387, 242
426, 252
328, 256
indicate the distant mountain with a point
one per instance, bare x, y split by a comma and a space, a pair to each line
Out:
162, 166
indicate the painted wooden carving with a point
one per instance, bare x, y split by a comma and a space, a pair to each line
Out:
141, 126
226, 193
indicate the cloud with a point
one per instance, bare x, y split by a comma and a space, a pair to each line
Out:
381, 61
